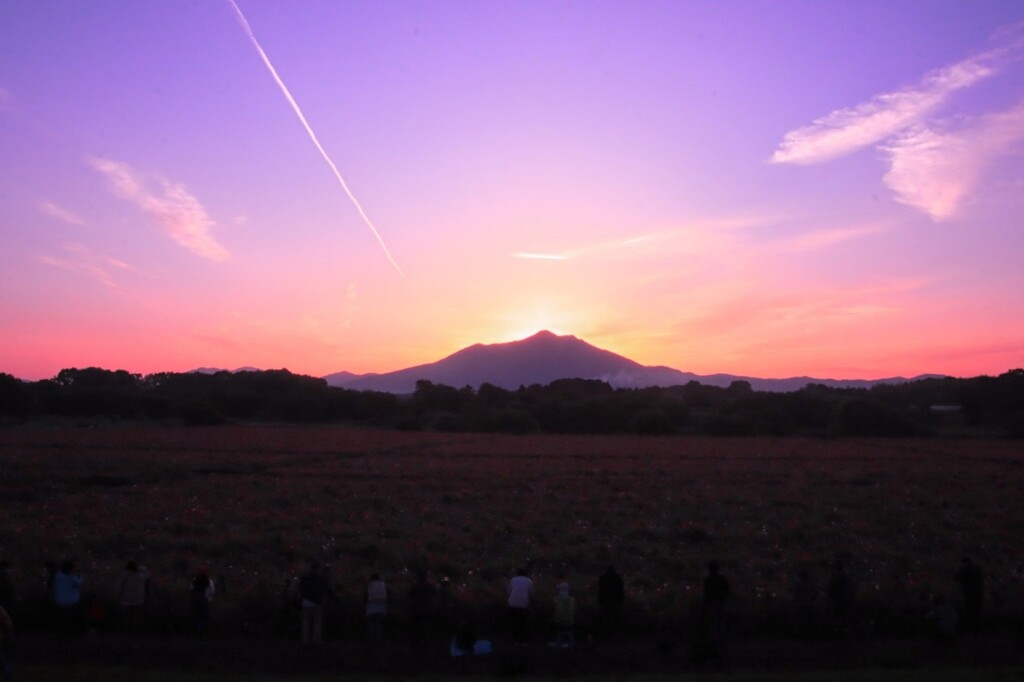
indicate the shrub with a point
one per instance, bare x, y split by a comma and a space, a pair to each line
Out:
199, 414
448, 422
866, 418
651, 422
512, 420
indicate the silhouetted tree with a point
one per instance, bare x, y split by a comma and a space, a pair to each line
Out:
862, 417
15, 399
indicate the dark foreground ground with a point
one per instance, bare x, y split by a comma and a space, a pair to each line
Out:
188, 656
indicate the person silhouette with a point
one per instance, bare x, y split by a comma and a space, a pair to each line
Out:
376, 607
805, 601
67, 597
8, 598
201, 596
6, 632
969, 576
313, 594
716, 592
132, 593
611, 594
520, 593
564, 618
422, 604
841, 596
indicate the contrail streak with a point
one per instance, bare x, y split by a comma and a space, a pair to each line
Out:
298, 112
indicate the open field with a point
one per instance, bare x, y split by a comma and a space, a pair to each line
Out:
256, 504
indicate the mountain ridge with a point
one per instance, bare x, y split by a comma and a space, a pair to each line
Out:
545, 357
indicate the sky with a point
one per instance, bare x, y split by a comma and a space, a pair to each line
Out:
772, 189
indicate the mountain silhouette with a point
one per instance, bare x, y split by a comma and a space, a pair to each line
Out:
546, 357
539, 359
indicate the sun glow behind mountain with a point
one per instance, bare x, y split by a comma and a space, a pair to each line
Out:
524, 324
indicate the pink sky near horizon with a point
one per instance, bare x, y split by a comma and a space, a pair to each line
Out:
764, 189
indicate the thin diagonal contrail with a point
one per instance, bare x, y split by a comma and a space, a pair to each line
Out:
305, 124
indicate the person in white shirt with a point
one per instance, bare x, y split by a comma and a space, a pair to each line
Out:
520, 591
132, 592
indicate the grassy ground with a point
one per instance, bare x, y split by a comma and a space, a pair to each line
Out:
256, 504
114, 658
101, 674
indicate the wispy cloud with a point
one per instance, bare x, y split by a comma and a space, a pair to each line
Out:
543, 256
937, 171
614, 245
177, 211
847, 130
704, 235
350, 305
84, 261
934, 164
62, 214
820, 239
5, 94
739, 308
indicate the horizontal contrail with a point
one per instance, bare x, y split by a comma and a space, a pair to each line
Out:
542, 256
298, 112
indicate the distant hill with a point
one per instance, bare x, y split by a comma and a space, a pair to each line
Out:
546, 357
340, 378
215, 370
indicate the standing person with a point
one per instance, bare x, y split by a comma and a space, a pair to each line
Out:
841, 596
422, 599
805, 598
376, 607
611, 594
520, 591
972, 588
6, 632
201, 596
313, 592
716, 591
445, 605
8, 600
941, 621
132, 593
67, 597
565, 618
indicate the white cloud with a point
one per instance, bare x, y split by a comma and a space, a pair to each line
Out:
82, 260
937, 171
935, 164
62, 214
847, 130
177, 211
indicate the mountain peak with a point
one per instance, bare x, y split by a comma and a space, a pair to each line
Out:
545, 357
538, 359
548, 335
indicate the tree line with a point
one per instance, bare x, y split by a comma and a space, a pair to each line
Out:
980, 406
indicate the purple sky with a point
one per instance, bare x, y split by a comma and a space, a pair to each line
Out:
764, 188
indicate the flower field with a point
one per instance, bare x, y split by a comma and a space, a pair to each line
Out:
256, 504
